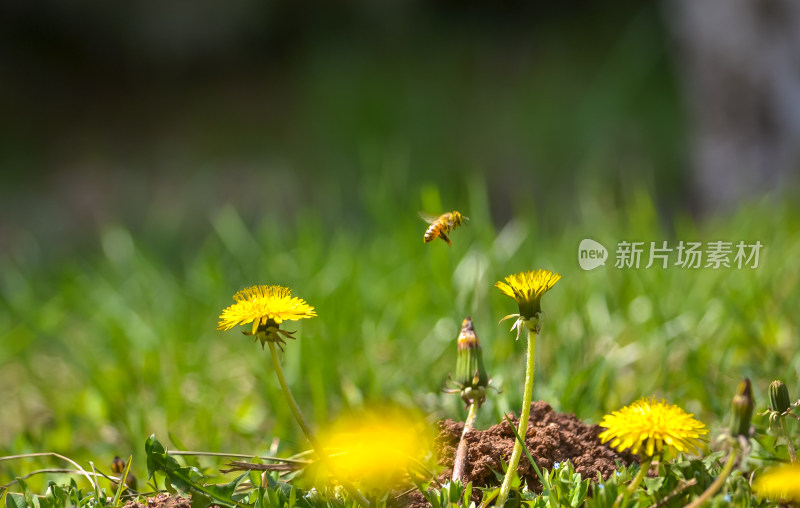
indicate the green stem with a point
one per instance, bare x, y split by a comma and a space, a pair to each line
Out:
632, 486
719, 482
460, 461
349, 487
789, 443
524, 415
643, 469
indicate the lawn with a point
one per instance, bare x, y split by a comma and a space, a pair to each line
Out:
102, 350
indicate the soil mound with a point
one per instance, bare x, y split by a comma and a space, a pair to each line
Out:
161, 501
551, 437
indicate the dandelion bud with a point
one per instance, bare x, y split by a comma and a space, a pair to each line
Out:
471, 375
779, 397
742, 409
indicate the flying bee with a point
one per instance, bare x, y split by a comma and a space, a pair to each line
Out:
441, 225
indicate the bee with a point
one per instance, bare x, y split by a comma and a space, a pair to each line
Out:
441, 225
118, 466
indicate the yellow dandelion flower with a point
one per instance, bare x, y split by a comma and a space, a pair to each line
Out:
376, 448
648, 427
266, 307
527, 289
782, 482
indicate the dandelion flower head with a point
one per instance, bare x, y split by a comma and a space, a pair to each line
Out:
377, 447
648, 428
782, 482
527, 288
266, 307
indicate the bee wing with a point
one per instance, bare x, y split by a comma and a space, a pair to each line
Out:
428, 217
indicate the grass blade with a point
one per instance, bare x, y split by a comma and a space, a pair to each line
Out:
528, 454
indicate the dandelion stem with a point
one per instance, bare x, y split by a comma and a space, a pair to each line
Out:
524, 415
719, 482
354, 493
461, 454
643, 468
789, 444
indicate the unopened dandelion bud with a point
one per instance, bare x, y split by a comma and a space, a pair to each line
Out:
779, 397
742, 409
471, 375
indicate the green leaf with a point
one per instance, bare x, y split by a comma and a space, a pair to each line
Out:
48, 502
14, 500
653, 485
274, 498
30, 499
255, 499
234, 484
56, 494
580, 492
189, 479
255, 478
157, 457
75, 494
200, 501
271, 482
489, 495
292, 497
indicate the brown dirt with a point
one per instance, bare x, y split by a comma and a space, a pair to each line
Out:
161, 501
551, 437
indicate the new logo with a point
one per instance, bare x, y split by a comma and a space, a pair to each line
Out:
591, 254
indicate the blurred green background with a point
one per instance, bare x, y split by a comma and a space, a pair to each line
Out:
156, 160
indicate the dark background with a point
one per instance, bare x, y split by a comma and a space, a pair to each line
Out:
141, 110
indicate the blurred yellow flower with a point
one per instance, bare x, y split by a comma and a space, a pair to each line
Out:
266, 307
648, 427
782, 482
527, 289
376, 449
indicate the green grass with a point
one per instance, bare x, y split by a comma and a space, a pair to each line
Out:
102, 350
111, 338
